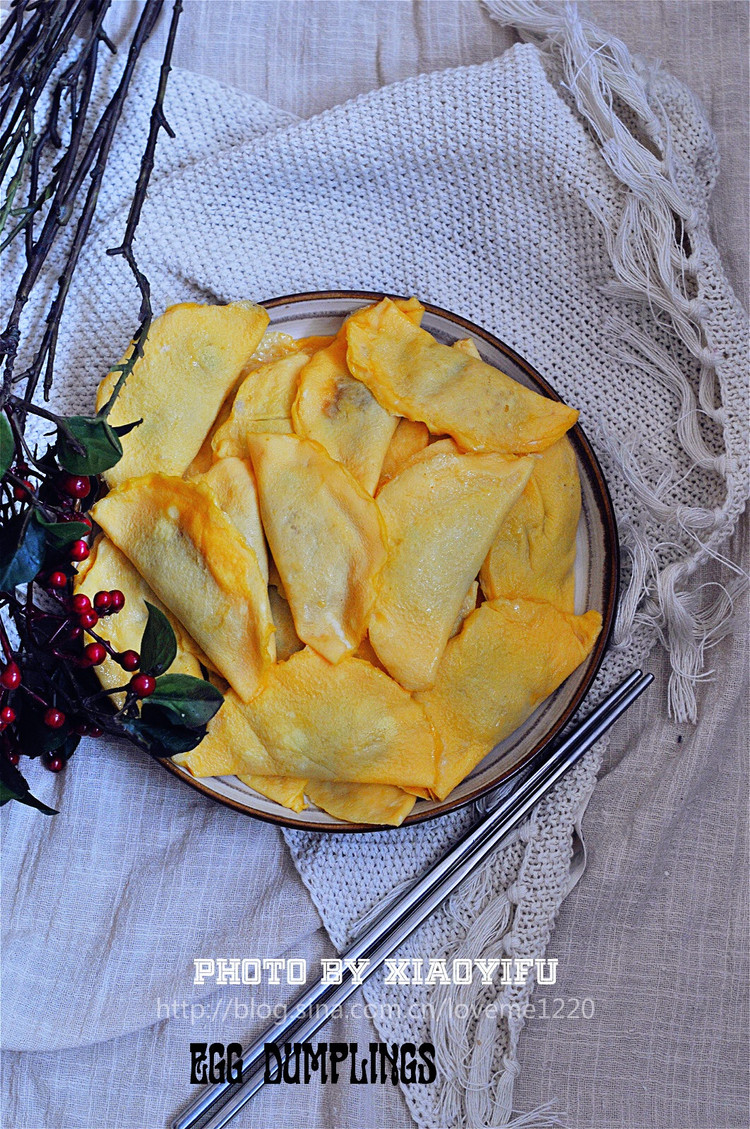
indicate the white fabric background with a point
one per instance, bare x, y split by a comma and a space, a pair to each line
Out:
646, 892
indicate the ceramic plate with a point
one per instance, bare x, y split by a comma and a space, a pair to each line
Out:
597, 569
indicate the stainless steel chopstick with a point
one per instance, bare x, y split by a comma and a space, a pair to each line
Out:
399, 919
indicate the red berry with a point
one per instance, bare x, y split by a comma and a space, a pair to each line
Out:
88, 619
75, 485
7, 715
11, 676
143, 685
55, 764
13, 758
23, 490
117, 600
94, 731
80, 603
57, 580
94, 653
102, 602
83, 518
75, 632
53, 718
130, 660
79, 550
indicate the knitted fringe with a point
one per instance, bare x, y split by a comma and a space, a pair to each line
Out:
651, 241
543, 1117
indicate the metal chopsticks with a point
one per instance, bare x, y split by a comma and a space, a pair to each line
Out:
400, 918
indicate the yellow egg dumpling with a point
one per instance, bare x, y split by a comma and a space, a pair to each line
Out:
200, 567
192, 357
412, 374
287, 639
534, 553
263, 404
409, 438
441, 513
508, 657
362, 803
289, 791
108, 568
341, 414
316, 721
273, 346
325, 533
233, 485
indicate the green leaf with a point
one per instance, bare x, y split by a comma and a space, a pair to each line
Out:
126, 428
61, 533
59, 741
155, 733
158, 645
36, 737
190, 700
13, 786
102, 447
7, 446
21, 560
69, 745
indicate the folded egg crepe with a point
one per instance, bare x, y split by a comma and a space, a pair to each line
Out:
409, 438
233, 485
534, 553
289, 791
508, 657
362, 803
273, 346
441, 514
413, 375
325, 534
108, 568
200, 567
287, 639
263, 403
192, 357
317, 721
342, 414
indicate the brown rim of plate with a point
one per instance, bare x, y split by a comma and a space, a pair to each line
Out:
611, 586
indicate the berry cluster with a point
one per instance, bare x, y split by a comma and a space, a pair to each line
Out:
64, 631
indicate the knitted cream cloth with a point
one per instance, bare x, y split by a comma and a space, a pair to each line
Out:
558, 196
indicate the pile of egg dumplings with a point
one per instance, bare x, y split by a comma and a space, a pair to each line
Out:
367, 540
